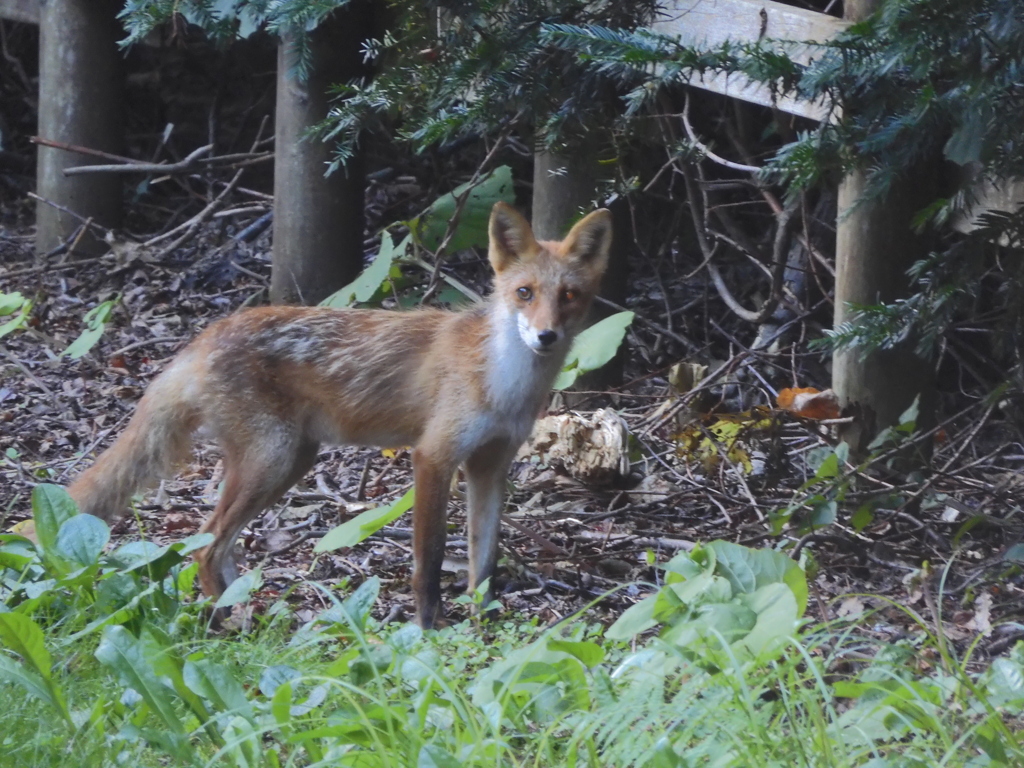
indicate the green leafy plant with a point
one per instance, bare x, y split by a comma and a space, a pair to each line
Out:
820, 498
453, 222
95, 322
468, 206
69, 569
16, 308
723, 602
594, 347
365, 524
342, 689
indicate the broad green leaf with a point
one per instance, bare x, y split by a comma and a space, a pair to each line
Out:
136, 554
16, 551
17, 674
908, 419
162, 656
829, 468
95, 321
51, 508
218, 686
863, 517
729, 621
365, 524
823, 514
634, 620
125, 655
240, 589
157, 561
594, 347
10, 303
281, 703
591, 654
1006, 681
406, 638
33, 684
17, 322
750, 569
370, 280
990, 739
243, 743
967, 143
471, 230
777, 613
433, 756
359, 604
22, 635
82, 538
276, 676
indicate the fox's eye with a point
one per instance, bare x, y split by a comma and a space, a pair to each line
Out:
569, 295
524, 293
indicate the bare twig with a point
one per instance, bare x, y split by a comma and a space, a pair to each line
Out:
460, 204
86, 221
146, 343
187, 164
29, 375
782, 232
690, 345
83, 150
188, 228
545, 544
705, 150
89, 449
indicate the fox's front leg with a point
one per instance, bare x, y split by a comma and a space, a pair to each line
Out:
486, 472
432, 472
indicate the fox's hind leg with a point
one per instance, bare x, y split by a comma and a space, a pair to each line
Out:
433, 469
254, 478
486, 473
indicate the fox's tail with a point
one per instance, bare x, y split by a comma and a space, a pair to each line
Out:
157, 439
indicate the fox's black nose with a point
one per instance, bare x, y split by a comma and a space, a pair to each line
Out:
547, 338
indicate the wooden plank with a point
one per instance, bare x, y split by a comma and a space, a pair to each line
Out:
26, 11
1007, 195
709, 23
741, 87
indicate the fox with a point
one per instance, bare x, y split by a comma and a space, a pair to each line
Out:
270, 385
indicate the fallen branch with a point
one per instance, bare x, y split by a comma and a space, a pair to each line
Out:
127, 166
188, 228
640, 541
83, 150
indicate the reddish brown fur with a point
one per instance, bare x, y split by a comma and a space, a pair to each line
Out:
272, 384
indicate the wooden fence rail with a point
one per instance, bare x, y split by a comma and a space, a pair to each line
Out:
25, 11
713, 22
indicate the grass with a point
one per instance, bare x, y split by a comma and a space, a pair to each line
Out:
105, 660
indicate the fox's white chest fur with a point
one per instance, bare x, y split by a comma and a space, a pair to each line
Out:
517, 380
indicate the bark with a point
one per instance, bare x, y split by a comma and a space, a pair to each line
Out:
875, 246
80, 102
563, 187
318, 221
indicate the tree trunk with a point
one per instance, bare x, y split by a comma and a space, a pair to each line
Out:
80, 102
875, 246
318, 220
563, 187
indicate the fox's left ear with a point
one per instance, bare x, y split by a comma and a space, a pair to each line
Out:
590, 240
510, 237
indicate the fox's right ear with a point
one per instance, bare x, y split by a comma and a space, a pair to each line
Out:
511, 237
